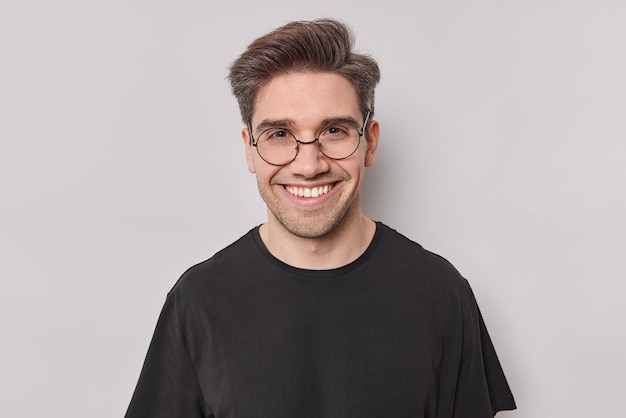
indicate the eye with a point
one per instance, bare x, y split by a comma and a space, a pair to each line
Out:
276, 135
335, 132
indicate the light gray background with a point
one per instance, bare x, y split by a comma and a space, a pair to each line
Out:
502, 148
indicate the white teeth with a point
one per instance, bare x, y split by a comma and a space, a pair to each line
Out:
309, 191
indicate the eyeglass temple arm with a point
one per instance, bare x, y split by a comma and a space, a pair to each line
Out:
367, 119
250, 135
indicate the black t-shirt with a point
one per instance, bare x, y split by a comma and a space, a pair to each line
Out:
396, 333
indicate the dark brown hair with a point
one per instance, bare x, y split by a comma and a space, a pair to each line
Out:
318, 45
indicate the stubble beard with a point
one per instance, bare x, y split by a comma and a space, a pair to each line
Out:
317, 223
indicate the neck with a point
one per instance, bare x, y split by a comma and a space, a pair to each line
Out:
336, 249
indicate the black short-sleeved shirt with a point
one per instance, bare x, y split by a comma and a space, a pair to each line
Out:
396, 333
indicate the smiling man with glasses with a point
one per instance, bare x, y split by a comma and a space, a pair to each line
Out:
320, 311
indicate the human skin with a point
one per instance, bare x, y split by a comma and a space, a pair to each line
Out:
325, 228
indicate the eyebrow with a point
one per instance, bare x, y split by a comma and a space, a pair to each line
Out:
290, 123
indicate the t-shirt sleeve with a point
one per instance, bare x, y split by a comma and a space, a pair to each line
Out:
167, 386
482, 389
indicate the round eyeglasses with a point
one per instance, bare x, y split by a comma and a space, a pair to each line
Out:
337, 140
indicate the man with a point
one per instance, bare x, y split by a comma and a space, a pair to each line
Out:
320, 311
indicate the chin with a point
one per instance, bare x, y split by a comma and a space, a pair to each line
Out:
311, 228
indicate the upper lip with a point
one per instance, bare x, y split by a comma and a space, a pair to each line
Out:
310, 185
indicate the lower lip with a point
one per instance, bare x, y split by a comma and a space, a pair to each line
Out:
312, 201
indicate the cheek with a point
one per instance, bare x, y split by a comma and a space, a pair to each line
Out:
368, 157
355, 168
363, 156
264, 172
250, 158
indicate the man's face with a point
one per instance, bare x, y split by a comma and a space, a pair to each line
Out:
312, 195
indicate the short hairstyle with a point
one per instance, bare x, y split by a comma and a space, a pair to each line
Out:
318, 45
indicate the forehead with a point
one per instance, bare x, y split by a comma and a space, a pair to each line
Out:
306, 97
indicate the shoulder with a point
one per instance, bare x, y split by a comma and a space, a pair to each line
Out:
412, 259
399, 246
230, 262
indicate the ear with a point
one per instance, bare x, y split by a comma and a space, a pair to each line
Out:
372, 135
245, 135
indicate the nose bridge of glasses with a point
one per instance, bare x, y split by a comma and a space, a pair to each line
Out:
314, 141
308, 142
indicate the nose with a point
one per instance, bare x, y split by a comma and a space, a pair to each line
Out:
310, 161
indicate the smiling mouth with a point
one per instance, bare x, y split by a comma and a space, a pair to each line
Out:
309, 191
